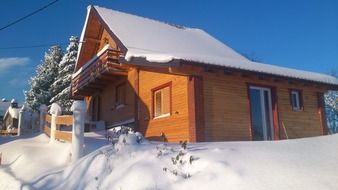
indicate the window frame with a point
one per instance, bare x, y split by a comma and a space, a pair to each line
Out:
299, 94
123, 103
153, 92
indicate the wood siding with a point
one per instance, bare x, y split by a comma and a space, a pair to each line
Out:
227, 114
175, 126
298, 124
92, 37
109, 111
106, 39
226, 103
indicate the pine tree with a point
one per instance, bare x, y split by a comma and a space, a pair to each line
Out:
61, 86
331, 108
40, 92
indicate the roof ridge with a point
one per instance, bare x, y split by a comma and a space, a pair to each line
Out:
177, 26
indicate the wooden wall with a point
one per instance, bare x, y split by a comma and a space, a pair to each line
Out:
108, 110
92, 37
304, 123
227, 114
226, 108
175, 127
106, 39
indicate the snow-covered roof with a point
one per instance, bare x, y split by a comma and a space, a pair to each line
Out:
161, 42
13, 112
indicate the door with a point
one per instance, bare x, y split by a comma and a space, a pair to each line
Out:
96, 107
261, 113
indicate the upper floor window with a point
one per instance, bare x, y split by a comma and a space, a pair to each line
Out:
162, 101
120, 98
296, 100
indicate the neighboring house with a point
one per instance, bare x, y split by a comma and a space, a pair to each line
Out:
182, 84
11, 117
4, 105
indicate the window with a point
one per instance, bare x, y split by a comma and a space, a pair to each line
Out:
161, 101
120, 98
296, 100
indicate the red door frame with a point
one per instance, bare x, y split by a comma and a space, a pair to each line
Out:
322, 114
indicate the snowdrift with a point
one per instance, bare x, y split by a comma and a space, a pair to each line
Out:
310, 163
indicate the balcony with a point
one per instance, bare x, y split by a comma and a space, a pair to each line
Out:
97, 73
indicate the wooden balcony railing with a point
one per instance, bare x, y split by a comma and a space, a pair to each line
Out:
97, 73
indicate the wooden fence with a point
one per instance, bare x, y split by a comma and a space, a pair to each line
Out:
11, 132
63, 127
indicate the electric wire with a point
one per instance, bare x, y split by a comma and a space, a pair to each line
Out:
28, 15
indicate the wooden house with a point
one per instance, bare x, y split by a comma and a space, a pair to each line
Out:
182, 84
4, 105
11, 117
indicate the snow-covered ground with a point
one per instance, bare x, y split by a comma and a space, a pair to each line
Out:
29, 157
310, 163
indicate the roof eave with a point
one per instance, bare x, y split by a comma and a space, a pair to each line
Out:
329, 85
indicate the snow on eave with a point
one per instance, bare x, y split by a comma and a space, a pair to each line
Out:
247, 66
274, 70
296, 73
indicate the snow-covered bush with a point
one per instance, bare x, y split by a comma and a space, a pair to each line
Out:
125, 135
114, 133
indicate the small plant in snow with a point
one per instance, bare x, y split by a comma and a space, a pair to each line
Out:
109, 155
163, 150
180, 162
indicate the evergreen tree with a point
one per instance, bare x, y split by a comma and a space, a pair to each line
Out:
331, 108
40, 92
61, 86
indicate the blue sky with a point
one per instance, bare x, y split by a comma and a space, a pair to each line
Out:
300, 34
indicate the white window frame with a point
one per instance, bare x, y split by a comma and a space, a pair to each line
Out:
296, 94
162, 115
263, 113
